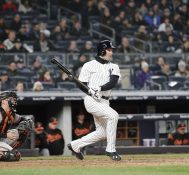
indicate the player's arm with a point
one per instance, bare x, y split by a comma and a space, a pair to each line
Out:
114, 77
111, 84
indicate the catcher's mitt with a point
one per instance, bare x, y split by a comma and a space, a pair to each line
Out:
24, 128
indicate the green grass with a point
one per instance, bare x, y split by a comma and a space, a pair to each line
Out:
99, 165
161, 170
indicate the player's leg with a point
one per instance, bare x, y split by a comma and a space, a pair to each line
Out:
104, 111
7, 153
93, 137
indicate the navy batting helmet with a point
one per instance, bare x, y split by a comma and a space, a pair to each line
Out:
102, 46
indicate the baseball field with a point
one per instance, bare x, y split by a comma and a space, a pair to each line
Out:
161, 164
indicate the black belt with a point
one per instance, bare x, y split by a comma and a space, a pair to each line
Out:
106, 98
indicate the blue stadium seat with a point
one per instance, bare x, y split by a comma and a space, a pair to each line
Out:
66, 85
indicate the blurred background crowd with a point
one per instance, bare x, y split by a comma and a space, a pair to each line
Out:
140, 27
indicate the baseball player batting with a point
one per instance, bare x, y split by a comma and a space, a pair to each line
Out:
101, 76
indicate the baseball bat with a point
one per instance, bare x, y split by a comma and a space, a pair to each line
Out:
70, 75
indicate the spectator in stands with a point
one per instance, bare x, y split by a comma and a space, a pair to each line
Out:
152, 20
35, 33
46, 77
165, 71
120, 21
9, 42
116, 6
107, 17
43, 45
93, 9
41, 139
16, 23
18, 48
185, 46
38, 86
55, 138
64, 27
9, 6
37, 66
57, 35
5, 83
138, 19
12, 69
20, 86
144, 74
164, 35
183, 11
25, 32
182, 70
143, 35
180, 137
22, 68
166, 14
25, 6
160, 61
171, 46
81, 127
165, 4
125, 46
79, 63
77, 29
143, 10
130, 9
3, 27
177, 22
73, 48
149, 4
163, 26
88, 47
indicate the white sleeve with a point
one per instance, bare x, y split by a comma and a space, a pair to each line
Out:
116, 70
84, 74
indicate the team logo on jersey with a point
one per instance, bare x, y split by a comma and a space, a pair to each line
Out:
110, 71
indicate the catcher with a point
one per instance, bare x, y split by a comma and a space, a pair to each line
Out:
14, 129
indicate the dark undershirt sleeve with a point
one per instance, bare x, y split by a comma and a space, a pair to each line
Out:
111, 84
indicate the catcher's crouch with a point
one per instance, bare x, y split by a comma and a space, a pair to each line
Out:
14, 129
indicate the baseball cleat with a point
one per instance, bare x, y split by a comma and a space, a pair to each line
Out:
78, 155
114, 156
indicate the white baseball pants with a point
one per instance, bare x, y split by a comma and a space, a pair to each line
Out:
105, 119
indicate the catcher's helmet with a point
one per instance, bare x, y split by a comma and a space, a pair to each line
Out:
102, 46
7, 94
11, 102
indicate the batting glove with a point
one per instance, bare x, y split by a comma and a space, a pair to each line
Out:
97, 89
96, 95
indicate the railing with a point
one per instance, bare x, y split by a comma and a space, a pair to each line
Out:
69, 13
146, 46
101, 30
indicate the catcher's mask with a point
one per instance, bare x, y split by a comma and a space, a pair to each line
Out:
11, 97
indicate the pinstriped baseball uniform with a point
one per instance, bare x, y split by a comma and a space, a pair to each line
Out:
105, 118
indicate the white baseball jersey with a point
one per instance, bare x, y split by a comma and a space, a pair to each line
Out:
105, 118
97, 74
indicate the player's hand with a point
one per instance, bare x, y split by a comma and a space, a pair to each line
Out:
95, 94
96, 89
